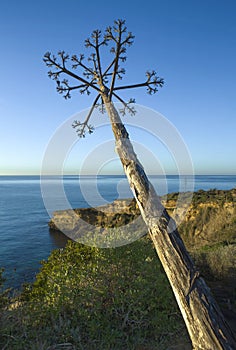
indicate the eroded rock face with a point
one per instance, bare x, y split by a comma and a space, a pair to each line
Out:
210, 218
111, 225
116, 214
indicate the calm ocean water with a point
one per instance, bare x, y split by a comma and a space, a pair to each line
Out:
24, 236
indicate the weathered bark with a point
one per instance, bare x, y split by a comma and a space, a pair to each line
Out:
203, 318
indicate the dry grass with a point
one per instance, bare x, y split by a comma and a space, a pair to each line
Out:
218, 262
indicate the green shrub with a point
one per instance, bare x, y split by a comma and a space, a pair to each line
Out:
4, 294
116, 298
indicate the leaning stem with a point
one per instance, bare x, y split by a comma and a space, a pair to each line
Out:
203, 318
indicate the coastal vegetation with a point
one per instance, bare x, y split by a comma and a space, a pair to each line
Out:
119, 298
90, 298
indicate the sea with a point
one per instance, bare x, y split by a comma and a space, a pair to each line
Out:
27, 202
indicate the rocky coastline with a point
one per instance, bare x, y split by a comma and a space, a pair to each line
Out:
210, 217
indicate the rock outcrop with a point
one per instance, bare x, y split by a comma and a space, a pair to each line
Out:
210, 218
116, 214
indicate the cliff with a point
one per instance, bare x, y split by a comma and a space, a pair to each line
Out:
210, 218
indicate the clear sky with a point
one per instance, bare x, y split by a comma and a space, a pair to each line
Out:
192, 45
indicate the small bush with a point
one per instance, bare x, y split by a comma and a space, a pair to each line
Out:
217, 262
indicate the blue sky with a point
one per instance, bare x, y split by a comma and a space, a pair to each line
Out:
192, 45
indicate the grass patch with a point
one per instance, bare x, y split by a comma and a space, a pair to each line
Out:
90, 298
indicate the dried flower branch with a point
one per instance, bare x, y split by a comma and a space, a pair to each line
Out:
91, 76
81, 127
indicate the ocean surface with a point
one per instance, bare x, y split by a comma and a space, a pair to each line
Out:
26, 204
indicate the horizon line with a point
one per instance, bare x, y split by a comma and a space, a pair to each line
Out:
42, 175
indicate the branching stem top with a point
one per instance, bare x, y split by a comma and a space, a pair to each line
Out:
64, 70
